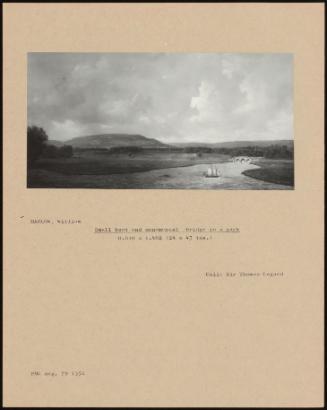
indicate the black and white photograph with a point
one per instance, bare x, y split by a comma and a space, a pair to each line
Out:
210, 121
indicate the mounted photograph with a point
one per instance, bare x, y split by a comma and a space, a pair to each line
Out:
210, 121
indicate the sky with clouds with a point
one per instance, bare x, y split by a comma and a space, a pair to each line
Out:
174, 97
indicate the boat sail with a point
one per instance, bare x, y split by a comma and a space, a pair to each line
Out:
212, 172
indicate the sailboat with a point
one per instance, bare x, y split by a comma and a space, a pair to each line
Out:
212, 172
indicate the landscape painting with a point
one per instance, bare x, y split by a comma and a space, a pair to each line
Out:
160, 121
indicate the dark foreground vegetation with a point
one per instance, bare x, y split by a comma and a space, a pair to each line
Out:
276, 171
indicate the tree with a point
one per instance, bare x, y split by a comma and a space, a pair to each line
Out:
50, 151
66, 151
36, 142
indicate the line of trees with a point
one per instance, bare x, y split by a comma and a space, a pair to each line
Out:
51, 151
271, 151
128, 149
276, 151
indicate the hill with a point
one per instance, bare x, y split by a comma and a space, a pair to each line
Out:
108, 141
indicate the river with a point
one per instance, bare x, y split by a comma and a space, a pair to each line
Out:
189, 177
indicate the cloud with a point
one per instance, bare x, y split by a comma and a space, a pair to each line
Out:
67, 129
207, 103
172, 97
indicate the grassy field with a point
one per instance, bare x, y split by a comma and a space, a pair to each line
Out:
99, 164
277, 171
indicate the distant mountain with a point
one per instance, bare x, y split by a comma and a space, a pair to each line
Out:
115, 140
236, 144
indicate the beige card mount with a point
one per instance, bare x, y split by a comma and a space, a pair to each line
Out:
163, 207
